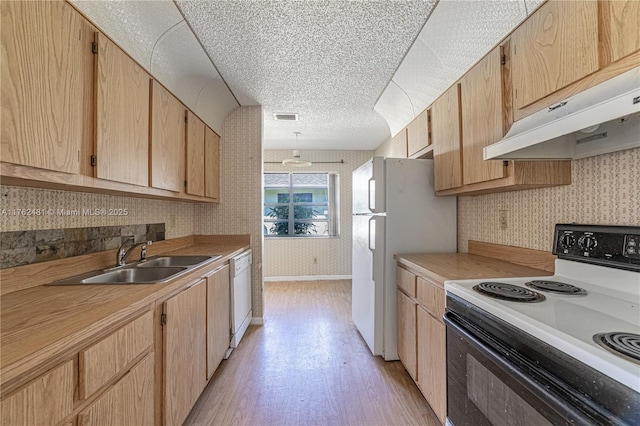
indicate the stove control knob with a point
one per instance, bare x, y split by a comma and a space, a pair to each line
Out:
567, 241
588, 242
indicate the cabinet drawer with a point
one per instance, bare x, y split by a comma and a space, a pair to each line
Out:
104, 360
431, 296
406, 281
128, 402
45, 401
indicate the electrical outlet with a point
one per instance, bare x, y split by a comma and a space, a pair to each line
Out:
502, 218
172, 220
315, 260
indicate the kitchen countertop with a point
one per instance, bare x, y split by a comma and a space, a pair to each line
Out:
462, 266
41, 322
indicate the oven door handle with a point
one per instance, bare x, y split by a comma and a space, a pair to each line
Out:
536, 387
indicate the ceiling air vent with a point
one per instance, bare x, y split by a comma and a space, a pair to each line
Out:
285, 116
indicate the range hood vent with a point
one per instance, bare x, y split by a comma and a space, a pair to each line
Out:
602, 119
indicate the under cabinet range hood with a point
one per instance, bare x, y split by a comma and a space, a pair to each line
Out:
602, 119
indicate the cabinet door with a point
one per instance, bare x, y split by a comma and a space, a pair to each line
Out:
195, 155
481, 95
167, 139
46, 61
417, 134
619, 30
101, 362
447, 139
185, 361
211, 164
553, 48
129, 402
218, 310
398, 147
406, 318
122, 116
44, 401
432, 365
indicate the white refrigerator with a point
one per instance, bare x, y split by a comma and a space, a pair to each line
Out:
394, 211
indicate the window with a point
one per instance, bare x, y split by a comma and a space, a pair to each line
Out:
300, 205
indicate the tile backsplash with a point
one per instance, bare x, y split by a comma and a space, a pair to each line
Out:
605, 190
26, 247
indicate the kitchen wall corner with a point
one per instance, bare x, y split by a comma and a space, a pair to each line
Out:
605, 190
239, 211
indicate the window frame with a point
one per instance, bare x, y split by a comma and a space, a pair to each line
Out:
331, 206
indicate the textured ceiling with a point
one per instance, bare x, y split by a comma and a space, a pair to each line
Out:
356, 72
155, 34
328, 61
455, 37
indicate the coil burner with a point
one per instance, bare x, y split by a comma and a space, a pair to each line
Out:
626, 345
556, 287
509, 292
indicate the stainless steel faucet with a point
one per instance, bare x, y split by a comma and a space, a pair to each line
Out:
122, 254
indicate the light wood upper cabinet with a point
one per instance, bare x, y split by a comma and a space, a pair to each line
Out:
446, 131
553, 48
398, 148
211, 164
122, 116
45, 401
129, 402
418, 134
185, 360
432, 362
167, 140
406, 332
619, 29
195, 155
46, 102
218, 309
482, 113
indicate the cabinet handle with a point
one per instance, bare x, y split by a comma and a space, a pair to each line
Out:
560, 105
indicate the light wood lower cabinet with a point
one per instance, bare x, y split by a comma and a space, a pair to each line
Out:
45, 401
421, 338
106, 359
185, 361
218, 310
432, 362
406, 324
128, 402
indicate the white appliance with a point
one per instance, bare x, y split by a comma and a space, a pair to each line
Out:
602, 119
572, 340
394, 211
241, 311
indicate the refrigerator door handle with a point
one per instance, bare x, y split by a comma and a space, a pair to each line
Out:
372, 234
370, 193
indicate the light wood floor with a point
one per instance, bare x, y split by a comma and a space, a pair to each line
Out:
309, 366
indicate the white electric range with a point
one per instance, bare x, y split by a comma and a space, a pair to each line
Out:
566, 348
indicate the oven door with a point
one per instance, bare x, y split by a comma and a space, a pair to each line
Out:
490, 384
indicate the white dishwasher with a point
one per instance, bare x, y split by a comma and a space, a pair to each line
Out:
241, 313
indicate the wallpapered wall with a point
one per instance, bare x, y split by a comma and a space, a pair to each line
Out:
293, 257
177, 216
240, 190
604, 190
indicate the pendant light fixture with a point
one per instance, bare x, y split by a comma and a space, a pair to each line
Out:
296, 161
